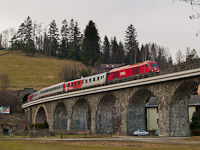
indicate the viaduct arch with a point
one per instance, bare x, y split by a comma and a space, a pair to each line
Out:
123, 110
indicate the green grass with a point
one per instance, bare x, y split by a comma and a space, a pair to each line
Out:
88, 145
38, 71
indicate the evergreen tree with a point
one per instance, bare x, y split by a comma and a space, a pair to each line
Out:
91, 45
106, 51
145, 52
131, 44
29, 41
24, 38
75, 41
63, 50
121, 53
195, 124
21, 37
71, 30
114, 49
53, 37
28, 29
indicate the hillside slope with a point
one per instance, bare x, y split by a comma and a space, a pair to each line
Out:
36, 72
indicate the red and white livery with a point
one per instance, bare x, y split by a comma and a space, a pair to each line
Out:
96, 80
131, 70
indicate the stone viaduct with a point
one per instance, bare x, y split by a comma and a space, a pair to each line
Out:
120, 107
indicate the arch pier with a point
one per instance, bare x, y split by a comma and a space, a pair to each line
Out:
119, 108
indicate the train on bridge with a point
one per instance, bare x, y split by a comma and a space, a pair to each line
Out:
96, 80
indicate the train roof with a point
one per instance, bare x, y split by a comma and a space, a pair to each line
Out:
74, 80
96, 75
131, 66
52, 86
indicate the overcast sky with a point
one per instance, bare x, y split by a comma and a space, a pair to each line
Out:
164, 22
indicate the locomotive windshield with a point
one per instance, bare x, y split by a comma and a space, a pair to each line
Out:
154, 65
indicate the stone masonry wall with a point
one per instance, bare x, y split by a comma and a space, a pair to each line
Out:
123, 111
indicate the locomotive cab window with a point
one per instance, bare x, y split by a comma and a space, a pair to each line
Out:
146, 65
154, 65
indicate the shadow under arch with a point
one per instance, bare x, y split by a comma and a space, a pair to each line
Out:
81, 116
105, 115
179, 109
41, 116
60, 117
136, 115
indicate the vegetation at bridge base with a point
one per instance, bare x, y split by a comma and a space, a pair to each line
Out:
39, 126
195, 124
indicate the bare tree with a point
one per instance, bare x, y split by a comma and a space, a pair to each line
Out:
179, 57
194, 4
70, 72
1, 41
4, 82
5, 40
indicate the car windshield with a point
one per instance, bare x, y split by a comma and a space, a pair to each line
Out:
141, 131
154, 65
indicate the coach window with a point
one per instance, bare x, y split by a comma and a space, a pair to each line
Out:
90, 80
78, 82
72, 84
101, 77
82, 82
68, 84
97, 78
93, 79
85, 81
75, 83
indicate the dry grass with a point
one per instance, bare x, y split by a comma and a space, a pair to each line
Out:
88, 145
37, 71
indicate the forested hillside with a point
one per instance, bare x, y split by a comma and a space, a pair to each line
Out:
69, 42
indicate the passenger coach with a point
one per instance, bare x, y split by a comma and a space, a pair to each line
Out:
96, 80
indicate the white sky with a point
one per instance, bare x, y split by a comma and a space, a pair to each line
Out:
160, 21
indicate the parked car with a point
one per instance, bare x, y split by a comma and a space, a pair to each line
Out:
156, 133
140, 132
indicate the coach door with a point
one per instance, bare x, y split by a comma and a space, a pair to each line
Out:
135, 70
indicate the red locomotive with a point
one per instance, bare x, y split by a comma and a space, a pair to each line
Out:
131, 70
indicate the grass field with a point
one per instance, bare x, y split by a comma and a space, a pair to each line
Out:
88, 145
37, 71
